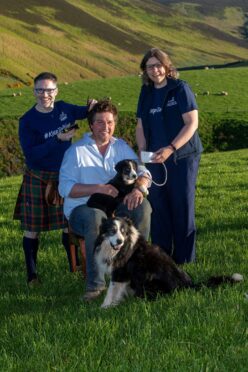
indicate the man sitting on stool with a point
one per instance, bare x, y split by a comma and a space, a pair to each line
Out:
86, 168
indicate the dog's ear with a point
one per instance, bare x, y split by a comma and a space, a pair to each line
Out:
128, 220
119, 165
135, 165
104, 219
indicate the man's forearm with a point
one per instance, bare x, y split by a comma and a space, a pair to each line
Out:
79, 190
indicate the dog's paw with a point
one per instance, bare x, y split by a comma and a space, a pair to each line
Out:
108, 305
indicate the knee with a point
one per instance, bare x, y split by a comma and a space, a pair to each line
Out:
84, 219
144, 209
142, 214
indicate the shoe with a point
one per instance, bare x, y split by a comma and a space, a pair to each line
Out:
91, 295
33, 283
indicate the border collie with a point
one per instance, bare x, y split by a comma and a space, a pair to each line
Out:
123, 181
138, 268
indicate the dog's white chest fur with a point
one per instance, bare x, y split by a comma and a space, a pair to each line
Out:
103, 258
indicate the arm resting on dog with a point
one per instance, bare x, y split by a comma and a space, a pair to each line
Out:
78, 190
136, 196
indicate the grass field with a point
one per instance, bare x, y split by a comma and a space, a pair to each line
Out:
93, 38
124, 92
49, 329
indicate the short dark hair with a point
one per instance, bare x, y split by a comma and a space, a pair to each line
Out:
103, 105
163, 58
46, 76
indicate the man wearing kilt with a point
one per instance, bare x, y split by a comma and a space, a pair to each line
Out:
44, 138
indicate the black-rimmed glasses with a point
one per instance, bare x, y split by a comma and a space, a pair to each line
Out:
45, 90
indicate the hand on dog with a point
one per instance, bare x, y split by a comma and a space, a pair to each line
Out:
107, 190
133, 199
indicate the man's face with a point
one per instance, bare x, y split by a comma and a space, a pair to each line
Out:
103, 127
45, 92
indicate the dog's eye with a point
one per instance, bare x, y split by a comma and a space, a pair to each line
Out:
122, 230
126, 170
113, 231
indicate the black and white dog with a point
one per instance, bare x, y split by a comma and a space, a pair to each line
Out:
139, 268
123, 181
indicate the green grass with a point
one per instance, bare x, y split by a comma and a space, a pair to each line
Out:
92, 38
124, 92
49, 329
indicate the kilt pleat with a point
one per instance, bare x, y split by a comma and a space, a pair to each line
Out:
31, 208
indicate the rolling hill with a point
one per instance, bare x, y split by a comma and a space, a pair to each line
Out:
84, 39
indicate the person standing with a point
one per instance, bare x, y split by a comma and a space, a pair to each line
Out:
167, 122
44, 138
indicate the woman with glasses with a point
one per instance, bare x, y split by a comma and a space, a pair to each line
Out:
167, 122
45, 135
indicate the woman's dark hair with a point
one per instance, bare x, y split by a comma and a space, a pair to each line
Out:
104, 105
45, 76
171, 71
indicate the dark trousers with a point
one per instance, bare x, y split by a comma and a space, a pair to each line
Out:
173, 217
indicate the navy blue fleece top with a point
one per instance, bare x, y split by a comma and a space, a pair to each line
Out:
38, 134
161, 113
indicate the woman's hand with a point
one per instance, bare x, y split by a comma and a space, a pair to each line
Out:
162, 154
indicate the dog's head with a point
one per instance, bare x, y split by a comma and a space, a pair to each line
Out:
117, 235
127, 169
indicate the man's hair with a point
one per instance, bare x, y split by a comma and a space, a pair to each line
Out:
103, 105
164, 59
46, 76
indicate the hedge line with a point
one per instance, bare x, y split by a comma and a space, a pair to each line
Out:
226, 131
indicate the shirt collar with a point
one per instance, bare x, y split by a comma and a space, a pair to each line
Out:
90, 141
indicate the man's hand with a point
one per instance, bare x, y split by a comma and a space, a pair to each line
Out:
133, 199
91, 103
107, 190
67, 136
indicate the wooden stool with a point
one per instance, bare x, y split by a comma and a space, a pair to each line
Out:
76, 240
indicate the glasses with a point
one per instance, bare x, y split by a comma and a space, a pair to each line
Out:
42, 91
155, 65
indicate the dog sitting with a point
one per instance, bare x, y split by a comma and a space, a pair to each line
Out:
123, 181
139, 268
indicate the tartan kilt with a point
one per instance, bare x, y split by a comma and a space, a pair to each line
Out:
31, 208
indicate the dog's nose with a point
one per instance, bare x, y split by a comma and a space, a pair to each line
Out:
134, 176
119, 241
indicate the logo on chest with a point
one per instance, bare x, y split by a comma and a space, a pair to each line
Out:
62, 116
171, 102
154, 111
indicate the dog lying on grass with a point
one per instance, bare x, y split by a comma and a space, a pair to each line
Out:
139, 268
123, 181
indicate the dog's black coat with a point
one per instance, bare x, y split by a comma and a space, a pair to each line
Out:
147, 268
108, 203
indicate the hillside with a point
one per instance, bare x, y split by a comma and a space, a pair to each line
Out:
81, 39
